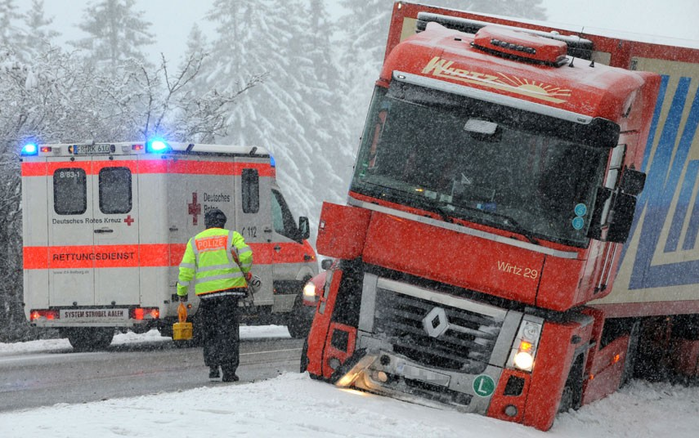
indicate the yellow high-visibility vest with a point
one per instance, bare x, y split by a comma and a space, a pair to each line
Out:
209, 262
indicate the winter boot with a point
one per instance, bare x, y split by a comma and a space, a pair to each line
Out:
214, 373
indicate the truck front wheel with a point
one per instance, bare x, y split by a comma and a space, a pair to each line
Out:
90, 338
300, 319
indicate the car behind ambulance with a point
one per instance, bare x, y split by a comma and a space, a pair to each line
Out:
105, 227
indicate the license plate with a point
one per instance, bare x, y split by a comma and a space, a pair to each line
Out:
423, 374
93, 149
94, 314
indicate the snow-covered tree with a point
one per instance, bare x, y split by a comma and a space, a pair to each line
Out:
10, 33
266, 38
509, 8
38, 34
365, 30
117, 32
325, 126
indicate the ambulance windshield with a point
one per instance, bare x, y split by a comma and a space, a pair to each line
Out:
472, 160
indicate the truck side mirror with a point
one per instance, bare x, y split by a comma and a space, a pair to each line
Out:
621, 218
632, 182
304, 228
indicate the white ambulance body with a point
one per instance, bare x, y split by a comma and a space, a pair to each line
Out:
105, 227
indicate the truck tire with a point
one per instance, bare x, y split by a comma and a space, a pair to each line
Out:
90, 338
304, 357
300, 319
572, 391
631, 353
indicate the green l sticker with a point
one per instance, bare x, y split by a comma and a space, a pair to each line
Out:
483, 385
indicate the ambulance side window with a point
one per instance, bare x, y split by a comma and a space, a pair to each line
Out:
251, 191
115, 190
282, 220
69, 191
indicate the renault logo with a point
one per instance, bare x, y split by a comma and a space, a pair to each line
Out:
435, 322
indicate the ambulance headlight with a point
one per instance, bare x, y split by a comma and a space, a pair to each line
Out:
157, 147
30, 149
309, 290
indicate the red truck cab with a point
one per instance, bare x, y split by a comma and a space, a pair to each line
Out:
495, 184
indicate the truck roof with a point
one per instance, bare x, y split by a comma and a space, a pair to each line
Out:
588, 88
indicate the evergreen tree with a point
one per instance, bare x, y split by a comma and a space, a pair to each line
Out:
10, 34
366, 31
326, 129
39, 35
267, 38
508, 8
116, 33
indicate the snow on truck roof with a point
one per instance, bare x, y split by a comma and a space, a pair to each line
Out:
583, 31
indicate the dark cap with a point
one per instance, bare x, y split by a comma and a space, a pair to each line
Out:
215, 219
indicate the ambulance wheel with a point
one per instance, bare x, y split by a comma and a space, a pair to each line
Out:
300, 319
90, 338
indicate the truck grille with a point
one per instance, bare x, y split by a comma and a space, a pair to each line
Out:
434, 334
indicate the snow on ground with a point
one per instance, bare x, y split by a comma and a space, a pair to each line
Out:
293, 405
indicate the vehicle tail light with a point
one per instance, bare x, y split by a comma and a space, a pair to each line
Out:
48, 314
144, 313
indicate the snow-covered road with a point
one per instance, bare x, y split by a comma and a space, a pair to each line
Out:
292, 405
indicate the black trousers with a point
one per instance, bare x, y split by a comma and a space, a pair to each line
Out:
221, 332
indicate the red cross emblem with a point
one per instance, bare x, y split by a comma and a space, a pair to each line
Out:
129, 220
194, 208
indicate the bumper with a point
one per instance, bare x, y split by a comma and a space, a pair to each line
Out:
387, 373
95, 323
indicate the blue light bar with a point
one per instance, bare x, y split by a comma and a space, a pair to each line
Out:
158, 146
271, 160
30, 149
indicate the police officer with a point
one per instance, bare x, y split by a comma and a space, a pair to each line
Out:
219, 262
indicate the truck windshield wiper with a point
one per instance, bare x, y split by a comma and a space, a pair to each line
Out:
517, 228
434, 207
506, 219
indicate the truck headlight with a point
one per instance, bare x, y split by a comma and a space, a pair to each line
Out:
523, 354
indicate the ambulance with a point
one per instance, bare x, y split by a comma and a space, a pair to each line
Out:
106, 224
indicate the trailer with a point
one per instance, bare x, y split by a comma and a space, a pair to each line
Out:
106, 225
519, 235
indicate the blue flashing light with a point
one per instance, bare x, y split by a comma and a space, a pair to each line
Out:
30, 149
271, 161
157, 146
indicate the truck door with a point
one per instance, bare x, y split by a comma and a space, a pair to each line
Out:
115, 231
71, 268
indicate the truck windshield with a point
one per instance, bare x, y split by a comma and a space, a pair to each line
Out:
473, 160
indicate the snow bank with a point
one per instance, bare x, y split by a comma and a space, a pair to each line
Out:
293, 405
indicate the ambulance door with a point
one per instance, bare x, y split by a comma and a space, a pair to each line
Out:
289, 254
71, 273
115, 230
254, 223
